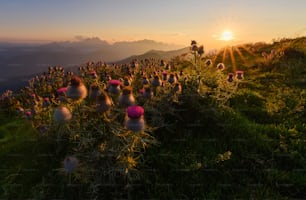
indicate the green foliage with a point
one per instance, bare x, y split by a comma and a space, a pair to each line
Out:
210, 139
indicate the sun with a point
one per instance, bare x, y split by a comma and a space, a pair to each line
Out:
227, 36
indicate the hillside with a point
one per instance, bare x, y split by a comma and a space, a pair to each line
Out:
160, 55
199, 130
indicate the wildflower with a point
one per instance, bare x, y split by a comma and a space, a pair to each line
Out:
62, 91
93, 74
104, 102
135, 112
62, 114
70, 164
165, 76
114, 86
127, 98
108, 77
46, 102
147, 93
162, 63
177, 88
145, 80
156, 81
220, 66
239, 75
28, 114
19, 110
230, 77
193, 42
94, 91
127, 81
201, 50
172, 78
134, 120
134, 64
194, 48
33, 96
77, 89
208, 62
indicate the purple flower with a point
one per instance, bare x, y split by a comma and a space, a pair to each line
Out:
62, 91
145, 80
172, 78
28, 114
135, 112
46, 102
239, 74
220, 66
93, 74
230, 77
208, 62
147, 93
33, 95
114, 82
141, 91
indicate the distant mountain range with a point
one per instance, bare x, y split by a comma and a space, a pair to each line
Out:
166, 55
20, 61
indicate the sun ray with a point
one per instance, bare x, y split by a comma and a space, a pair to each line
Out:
224, 54
247, 50
232, 58
217, 55
240, 54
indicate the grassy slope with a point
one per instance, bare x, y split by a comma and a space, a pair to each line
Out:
267, 143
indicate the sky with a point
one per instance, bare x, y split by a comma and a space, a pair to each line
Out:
170, 21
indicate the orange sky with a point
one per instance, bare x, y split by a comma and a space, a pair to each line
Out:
170, 21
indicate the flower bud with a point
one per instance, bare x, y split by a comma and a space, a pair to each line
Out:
134, 120
62, 114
